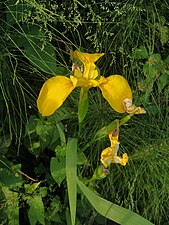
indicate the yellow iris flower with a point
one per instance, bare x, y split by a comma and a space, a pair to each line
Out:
109, 155
115, 88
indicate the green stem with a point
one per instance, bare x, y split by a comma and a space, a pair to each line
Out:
104, 131
79, 131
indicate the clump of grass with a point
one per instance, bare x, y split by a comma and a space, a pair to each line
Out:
142, 185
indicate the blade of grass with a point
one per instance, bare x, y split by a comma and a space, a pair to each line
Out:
71, 163
112, 211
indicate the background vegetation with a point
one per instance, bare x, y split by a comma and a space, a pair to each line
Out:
36, 39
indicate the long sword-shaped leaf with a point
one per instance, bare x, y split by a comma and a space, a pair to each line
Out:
71, 172
112, 211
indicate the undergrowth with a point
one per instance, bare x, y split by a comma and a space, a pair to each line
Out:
36, 40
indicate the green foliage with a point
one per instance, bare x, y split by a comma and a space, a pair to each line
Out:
34, 45
10, 182
71, 173
154, 84
110, 210
40, 157
58, 168
83, 105
36, 210
11, 209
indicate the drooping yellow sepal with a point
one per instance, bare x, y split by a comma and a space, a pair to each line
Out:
115, 89
53, 93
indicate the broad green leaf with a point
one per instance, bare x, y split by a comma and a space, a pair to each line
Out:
163, 81
33, 44
150, 72
7, 178
36, 210
61, 114
154, 59
10, 207
71, 171
153, 67
48, 133
112, 211
81, 158
104, 131
58, 169
5, 142
30, 188
42, 58
167, 59
31, 125
15, 12
140, 53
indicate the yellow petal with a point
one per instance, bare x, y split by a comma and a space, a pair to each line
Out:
115, 89
86, 57
53, 93
87, 83
78, 74
90, 71
122, 160
107, 157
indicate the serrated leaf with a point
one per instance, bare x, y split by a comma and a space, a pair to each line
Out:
36, 210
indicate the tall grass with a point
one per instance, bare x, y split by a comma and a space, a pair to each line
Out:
33, 31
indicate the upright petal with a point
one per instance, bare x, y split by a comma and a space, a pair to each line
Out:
90, 71
115, 89
86, 57
86, 83
53, 93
